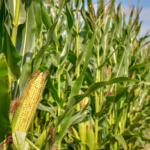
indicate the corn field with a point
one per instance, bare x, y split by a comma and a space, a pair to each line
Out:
74, 75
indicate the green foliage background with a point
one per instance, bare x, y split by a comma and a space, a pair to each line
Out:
88, 52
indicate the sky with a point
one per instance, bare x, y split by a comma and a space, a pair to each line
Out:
144, 15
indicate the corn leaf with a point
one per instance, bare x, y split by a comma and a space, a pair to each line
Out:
28, 45
121, 140
4, 99
7, 47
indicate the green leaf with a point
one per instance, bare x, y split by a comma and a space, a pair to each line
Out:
106, 60
1, 2
83, 48
72, 57
45, 17
42, 138
68, 77
39, 56
13, 58
77, 118
90, 21
110, 100
54, 60
62, 3
78, 82
91, 7
11, 7
127, 135
100, 7
7, 47
111, 6
77, 98
52, 89
121, 140
64, 124
4, 98
89, 79
50, 32
38, 16
73, 101
77, 4
83, 13
27, 46
118, 119
138, 66
119, 68
46, 108
64, 53
70, 19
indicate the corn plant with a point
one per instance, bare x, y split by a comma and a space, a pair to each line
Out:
74, 76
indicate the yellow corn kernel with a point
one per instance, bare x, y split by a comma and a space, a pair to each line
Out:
29, 104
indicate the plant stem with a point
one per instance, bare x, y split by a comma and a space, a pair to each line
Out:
96, 96
77, 51
41, 39
78, 74
14, 29
58, 78
15, 26
105, 38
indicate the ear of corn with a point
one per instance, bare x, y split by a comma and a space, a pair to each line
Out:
82, 132
84, 102
90, 136
28, 102
42, 138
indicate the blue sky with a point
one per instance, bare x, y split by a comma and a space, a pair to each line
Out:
145, 14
